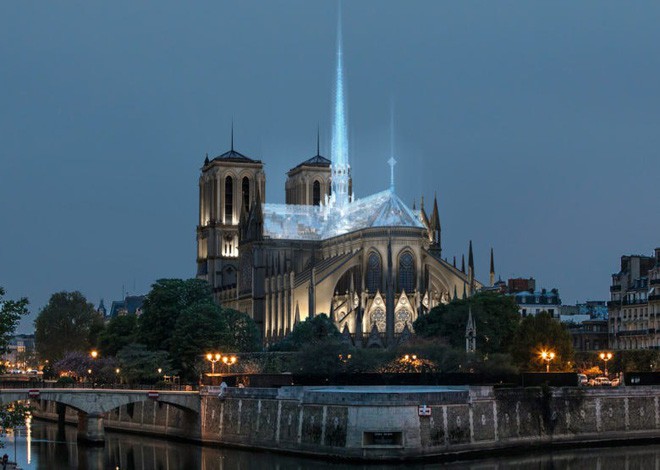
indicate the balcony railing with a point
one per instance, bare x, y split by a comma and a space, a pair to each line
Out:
654, 297
633, 333
615, 288
613, 303
633, 301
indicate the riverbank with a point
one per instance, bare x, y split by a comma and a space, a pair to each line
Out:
395, 423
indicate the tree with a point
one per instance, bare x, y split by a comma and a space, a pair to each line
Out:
164, 304
79, 364
539, 333
139, 365
240, 332
313, 330
119, 332
11, 312
67, 323
205, 327
495, 315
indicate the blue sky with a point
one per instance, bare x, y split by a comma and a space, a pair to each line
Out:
535, 122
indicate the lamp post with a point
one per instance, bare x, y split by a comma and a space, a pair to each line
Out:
229, 361
547, 356
606, 357
117, 371
91, 379
213, 358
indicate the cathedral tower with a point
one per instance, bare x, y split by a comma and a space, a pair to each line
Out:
309, 182
227, 183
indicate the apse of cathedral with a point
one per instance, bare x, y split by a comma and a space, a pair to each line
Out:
372, 264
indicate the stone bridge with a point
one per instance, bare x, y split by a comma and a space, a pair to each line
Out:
93, 404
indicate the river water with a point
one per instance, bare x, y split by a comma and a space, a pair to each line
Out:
42, 446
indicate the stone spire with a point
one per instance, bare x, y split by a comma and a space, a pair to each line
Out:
423, 217
471, 269
492, 268
434, 230
339, 155
463, 263
470, 333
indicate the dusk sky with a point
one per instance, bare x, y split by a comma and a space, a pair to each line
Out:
537, 124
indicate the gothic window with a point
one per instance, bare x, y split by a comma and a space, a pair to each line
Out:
402, 318
229, 199
246, 193
406, 272
378, 318
374, 272
316, 193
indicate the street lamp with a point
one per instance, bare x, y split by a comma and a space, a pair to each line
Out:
229, 361
547, 356
213, 358
94, 353
606, 357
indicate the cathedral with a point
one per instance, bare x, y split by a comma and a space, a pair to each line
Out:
372, 264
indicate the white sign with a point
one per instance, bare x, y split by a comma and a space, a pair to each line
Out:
424, 410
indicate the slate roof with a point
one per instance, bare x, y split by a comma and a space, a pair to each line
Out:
234, 156
316, 160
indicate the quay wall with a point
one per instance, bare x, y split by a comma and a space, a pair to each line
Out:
384, 422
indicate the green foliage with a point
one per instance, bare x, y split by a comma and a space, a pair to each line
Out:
166, 301
11, 312
12, 415
538, 333
239, 332
205, 327
119, 332
495, 315
317, 329
636, 360
139, 365
67, 323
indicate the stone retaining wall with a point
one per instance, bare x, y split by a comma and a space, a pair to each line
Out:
385, 423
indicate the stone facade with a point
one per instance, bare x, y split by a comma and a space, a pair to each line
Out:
634, 308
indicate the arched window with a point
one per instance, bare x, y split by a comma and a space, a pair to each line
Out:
246, 193
316, 193
374, 272
229, 199
406, 272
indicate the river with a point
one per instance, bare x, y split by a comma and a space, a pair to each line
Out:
42, 446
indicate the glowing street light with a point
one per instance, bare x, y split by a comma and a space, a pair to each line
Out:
606, 357
547, 356
229, 361
94, 353
213, 358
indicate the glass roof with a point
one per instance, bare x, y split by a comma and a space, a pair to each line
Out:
295, 222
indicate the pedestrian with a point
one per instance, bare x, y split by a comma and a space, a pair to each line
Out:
5, 461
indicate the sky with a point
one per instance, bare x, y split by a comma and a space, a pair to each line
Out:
535, 123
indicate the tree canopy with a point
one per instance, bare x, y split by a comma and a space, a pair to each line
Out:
313, 330
166, 301
495, 315
118, 332
67, 323
539, 333
11, 312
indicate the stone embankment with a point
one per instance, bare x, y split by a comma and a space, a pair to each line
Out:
380, 423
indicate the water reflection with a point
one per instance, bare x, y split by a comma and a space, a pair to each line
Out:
43, 446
